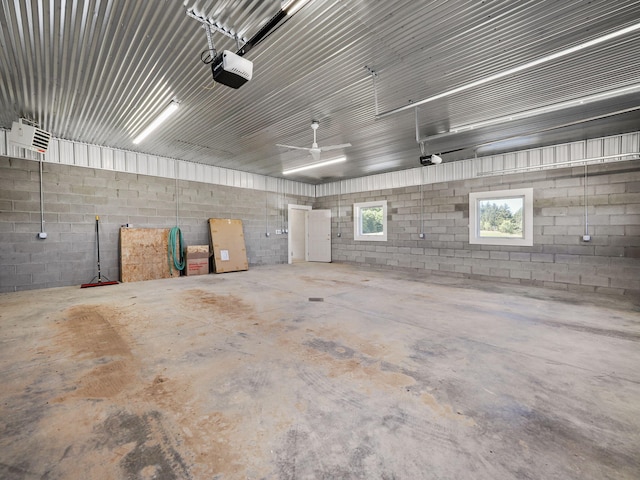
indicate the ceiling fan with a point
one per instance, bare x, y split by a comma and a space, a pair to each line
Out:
315, 150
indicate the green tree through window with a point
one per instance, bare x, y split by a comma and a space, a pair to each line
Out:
372, 220
503, 220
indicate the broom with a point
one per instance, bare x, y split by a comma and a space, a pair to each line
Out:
100, 282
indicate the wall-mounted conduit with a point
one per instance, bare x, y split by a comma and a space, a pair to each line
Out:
339, 210
175, 171
42, 233
422, 233
586, 208
266, 213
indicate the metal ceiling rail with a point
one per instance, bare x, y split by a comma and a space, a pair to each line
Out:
583, 161
212, 24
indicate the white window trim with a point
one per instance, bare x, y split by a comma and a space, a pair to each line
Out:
527, 217
357, 222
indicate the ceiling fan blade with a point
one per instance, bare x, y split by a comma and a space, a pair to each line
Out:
335, 147
292, 147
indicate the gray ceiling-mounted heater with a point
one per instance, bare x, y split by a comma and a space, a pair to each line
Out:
29, 137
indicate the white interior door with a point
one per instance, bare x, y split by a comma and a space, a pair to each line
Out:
297, 226
318, 235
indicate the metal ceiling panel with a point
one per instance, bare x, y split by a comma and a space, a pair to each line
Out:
99, 71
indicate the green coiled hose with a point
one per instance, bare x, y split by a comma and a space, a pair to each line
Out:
176, 257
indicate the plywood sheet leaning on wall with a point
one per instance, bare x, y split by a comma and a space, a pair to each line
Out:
228, 246
144, 254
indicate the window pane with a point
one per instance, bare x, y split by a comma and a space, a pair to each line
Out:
501, 217
370, 221
371, 218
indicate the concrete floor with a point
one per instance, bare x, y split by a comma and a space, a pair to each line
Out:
318, 371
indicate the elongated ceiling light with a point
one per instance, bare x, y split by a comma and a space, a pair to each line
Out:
519, 68
536, 111
173, 106
314, 165
292, 6
548, 109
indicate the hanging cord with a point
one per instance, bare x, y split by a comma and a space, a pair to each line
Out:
175, 235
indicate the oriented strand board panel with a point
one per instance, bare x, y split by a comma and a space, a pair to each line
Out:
144, 254
227, 243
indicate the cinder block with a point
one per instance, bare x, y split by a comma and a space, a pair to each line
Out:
477, 270
542, 257
446, 238
584, 289
608, 230
624, 198
568, 182
610, 188
604, 253
555, 285
628, 285
45, 277
522, 274
567, 278
553, 211
13, 283
625, 219
555, 249
594, 280
569, 259
554, 230
569, 220
581, 250
610, 291
499, 272
542, 276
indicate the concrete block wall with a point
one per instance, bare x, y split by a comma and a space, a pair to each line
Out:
609, 263
73, 196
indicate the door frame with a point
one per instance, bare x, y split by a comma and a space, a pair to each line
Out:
292, 228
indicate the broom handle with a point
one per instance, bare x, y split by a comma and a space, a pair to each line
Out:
98, 244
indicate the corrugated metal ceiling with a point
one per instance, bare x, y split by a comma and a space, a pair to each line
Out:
99, 71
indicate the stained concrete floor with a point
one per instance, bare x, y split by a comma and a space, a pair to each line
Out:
318, 371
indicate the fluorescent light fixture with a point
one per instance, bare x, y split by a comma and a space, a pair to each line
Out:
511, 71
314, 165
292, 6
547, 109
173, 106
619, 157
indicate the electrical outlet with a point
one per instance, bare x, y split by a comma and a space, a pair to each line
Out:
267, 234
42, 235
278, 232
422, 235
586, 238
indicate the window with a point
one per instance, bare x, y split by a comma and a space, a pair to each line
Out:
503, 217
370, 221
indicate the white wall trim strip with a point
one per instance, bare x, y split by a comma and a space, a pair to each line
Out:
67, 152
94, 156
545, 157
